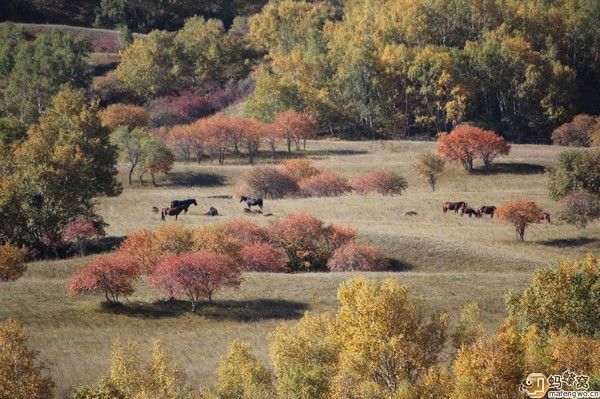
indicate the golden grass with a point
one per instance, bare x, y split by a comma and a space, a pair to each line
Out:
447, 260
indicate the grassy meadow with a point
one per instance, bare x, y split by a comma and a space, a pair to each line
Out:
447, 260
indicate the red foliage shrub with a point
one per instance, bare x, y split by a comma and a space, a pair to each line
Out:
269, 182
106, 43
262, 258
380, 181
357, 257
299, 169
247, 232
307, 242
295, 128
80, 232
128, 115
111, 274
520, 213
466, 143
578, 133
326, 184
195, 275
340, 235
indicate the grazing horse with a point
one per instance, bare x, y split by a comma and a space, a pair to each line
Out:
453, 206
187, 203
212, 212
250, 202
487, 210
545, 217
469, 211
172, 211
155, 209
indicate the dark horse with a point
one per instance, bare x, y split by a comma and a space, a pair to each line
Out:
469, 211
186, 203
173, 211
545, 217
453, 206
487, 210
250, 202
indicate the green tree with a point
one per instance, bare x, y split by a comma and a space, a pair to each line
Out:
131, 146
10, 38
430, 167
156, 158
574, 170
41, 68
12, 131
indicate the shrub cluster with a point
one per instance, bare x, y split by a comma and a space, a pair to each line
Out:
193, 263
582, 131
380, 181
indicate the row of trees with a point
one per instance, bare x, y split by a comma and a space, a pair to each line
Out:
195, 263
220, 134
520, 68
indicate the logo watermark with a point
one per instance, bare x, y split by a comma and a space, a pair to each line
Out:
566, 385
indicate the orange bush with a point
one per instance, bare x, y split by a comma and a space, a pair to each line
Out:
12, 262
263, 258
466, 143
357, 257
380, 181
216, 238
295, 127
173, 238
140, 248
520, 213
269, 182
195, 275
326, 184
128, 115
578, 132
111, 274
299, 169
340, 235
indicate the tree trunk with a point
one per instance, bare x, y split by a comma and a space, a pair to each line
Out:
131, 173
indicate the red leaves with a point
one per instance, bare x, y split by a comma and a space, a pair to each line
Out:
380, 181
325, 184
196, 275
263, 258
356, 257
112, 275
520, 213
466, 143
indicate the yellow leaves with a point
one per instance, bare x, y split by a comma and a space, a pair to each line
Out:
12, 264
242, 376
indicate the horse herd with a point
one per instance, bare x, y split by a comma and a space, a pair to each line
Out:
178, 206
462, 208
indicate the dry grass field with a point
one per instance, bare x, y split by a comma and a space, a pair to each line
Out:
447, 260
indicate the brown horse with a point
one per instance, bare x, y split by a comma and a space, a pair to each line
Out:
453, 206
487, 210
172, 211
544, 217
469, 211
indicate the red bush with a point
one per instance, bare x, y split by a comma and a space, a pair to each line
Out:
307, 242
263, 258
340, 235
111, 274
326, 184
195, 275
269, 182
247, 232
295, 128
299, 169
356, 257
80, 232
380, 181
139, 247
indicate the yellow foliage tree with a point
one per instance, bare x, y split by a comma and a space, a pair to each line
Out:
242, 376
21, 375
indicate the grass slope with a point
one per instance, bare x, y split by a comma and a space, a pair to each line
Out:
447, 260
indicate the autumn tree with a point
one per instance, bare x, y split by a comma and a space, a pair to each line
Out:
242, 376
579, 132
466, 143
156, 158
22, 376
131, 144
268, 182
579, 208
562, 297
128, 376
128, 115
574, 170
141, 249
195, 275
65, 162
12, 131
262, 258
113, 275
380, 181
80, 232
430, 166
520, 213
295, 127
12, 262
